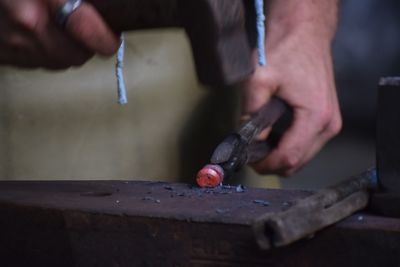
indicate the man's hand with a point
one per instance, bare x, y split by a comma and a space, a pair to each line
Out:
29, 36
300, 72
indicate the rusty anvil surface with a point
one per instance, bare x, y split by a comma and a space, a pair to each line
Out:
115, 223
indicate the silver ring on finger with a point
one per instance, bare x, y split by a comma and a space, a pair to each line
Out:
66, 10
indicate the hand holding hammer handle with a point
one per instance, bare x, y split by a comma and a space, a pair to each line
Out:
267, 116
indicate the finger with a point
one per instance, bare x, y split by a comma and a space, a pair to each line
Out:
11, 35
244, 118
17, 57
87, 27
330, 131
60, 50
297, 145
263, 135
256, 93
333, 127
18, 46
35, 41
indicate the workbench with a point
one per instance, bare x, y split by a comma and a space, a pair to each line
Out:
120, 223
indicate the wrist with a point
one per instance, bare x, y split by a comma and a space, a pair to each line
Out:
305, 19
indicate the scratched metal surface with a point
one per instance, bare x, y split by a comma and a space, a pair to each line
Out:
228, 204
78, 224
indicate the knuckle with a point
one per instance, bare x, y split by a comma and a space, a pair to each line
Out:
262, 78
328, 121
325, 116
290, 162
29, 18
285, 166
335, 126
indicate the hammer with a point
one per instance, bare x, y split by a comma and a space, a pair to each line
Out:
221, 32
240, 148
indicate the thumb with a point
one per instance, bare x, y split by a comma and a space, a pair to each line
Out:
258, 90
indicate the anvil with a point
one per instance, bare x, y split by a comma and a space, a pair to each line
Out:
121, 223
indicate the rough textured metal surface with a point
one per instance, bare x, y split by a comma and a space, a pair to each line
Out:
158, 224
388, 132
387, 201
316, 212
151, 199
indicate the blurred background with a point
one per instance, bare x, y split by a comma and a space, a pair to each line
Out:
68, 125
366, 48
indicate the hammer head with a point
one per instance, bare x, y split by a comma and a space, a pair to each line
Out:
221, 43
222, 32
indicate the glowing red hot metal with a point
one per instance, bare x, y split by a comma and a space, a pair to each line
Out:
238, 148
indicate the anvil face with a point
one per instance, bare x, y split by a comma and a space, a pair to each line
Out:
159, 224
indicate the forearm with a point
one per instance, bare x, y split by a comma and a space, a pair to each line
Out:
313, 19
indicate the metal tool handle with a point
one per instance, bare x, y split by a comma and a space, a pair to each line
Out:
309, 215
267, 116
125, 15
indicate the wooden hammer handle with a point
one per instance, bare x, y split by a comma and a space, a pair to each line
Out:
311, 214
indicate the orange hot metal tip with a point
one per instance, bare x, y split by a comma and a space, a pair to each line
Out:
210, 175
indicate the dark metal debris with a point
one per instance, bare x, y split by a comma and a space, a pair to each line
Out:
286, 205
240, 189
261, 202
221, 211
168, 187
152, 199
195, 191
